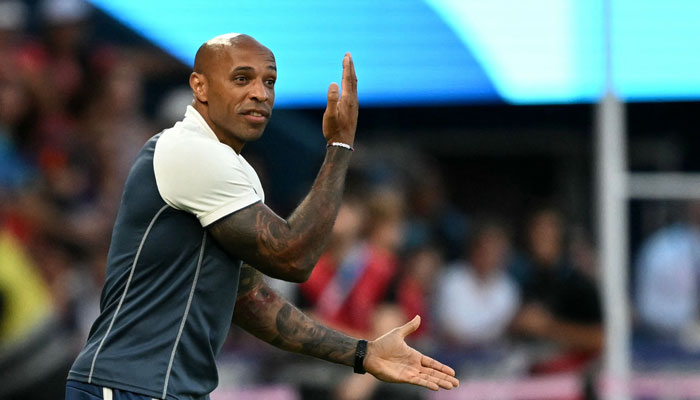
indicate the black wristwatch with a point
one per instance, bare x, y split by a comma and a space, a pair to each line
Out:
360, 353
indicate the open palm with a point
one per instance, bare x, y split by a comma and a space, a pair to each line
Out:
390, 359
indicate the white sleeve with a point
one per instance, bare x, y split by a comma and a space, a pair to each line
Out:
202, 177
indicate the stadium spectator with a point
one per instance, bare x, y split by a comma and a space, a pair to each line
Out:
668, 274
431, 217
416, 286
13, 17
113, 127
384, 228
561, 308
17, 106
33, 351
353, 275
64, 56
27, 302
476, 298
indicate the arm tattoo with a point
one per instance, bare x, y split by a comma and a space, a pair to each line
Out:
269, 317
248, 280
288, 249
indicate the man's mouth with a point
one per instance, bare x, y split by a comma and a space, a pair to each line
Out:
256, 116
256, 112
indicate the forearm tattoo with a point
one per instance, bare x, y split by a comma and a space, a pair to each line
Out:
249, 279
288, 249
269, 317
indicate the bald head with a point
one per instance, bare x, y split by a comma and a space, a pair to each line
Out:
211, 52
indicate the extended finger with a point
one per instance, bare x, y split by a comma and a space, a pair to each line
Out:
353, 75
419, 381
349, 83
332, 98
443, 383
431, 363
441, 378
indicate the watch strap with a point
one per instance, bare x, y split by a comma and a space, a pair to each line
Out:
360, 353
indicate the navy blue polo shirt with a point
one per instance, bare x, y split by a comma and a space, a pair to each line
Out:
169, 293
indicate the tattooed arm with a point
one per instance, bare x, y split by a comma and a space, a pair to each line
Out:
266, 315
289, 249
262, 312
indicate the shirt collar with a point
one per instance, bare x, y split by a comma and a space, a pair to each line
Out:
193, 114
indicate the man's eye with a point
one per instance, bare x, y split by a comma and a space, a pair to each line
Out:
240, 79
270, 82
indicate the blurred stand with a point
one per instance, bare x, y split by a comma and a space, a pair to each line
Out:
78, 100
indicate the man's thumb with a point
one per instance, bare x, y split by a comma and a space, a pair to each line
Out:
410, 327
333, 96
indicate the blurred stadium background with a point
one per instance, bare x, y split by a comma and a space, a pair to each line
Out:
526, 179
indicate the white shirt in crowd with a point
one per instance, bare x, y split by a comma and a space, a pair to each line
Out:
475, 311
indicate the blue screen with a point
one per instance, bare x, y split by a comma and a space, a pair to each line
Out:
426, 52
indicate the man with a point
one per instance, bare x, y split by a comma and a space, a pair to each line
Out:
560, 310
667, 295
476, 299
191, 212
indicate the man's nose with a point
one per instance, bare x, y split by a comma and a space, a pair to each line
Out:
259, 91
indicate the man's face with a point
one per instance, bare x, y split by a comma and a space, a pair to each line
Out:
241, 92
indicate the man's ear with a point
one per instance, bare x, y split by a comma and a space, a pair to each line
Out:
198, 83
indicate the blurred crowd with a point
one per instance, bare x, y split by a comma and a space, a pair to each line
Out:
71, 123
497, 298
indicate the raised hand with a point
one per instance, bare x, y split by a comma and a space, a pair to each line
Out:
390, 359
340, 117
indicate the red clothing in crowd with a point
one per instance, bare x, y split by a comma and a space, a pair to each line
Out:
346, 293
